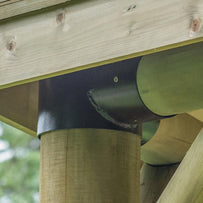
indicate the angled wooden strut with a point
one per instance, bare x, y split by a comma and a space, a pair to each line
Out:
186, 186
172, 140
19, 107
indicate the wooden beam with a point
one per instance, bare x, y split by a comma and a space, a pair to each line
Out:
10, 8
171, 82
90, 33
19, 107
153, 180
89, 166
171, 141
186, 185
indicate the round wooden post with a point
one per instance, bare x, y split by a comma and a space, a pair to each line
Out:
89, 166
170, 82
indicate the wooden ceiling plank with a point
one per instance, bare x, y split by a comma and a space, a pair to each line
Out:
91, 33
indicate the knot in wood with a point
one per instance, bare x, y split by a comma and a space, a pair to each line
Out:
11, 44
60, 18
196, 24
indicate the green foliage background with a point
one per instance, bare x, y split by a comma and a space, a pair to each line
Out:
19, 172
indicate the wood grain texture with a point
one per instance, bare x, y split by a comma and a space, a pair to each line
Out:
90, 166
171, 141
90, 33
10, 8
198, 114
19, 107
186, 186
153, 180
171, 82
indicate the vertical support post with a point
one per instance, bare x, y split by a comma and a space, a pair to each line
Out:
90, 166
186, 186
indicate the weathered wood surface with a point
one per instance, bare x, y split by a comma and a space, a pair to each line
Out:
90, 33
90, 166
10, 8
153, 180
19, 107
170, 82
172, 140
186, 186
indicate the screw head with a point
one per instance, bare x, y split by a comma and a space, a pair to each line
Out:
115, 79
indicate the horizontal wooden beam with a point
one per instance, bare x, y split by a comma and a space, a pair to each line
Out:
86, 34
10, 8
170, 82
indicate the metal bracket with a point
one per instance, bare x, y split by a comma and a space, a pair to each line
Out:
103, 97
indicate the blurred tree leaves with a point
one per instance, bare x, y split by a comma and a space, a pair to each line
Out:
19, 166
